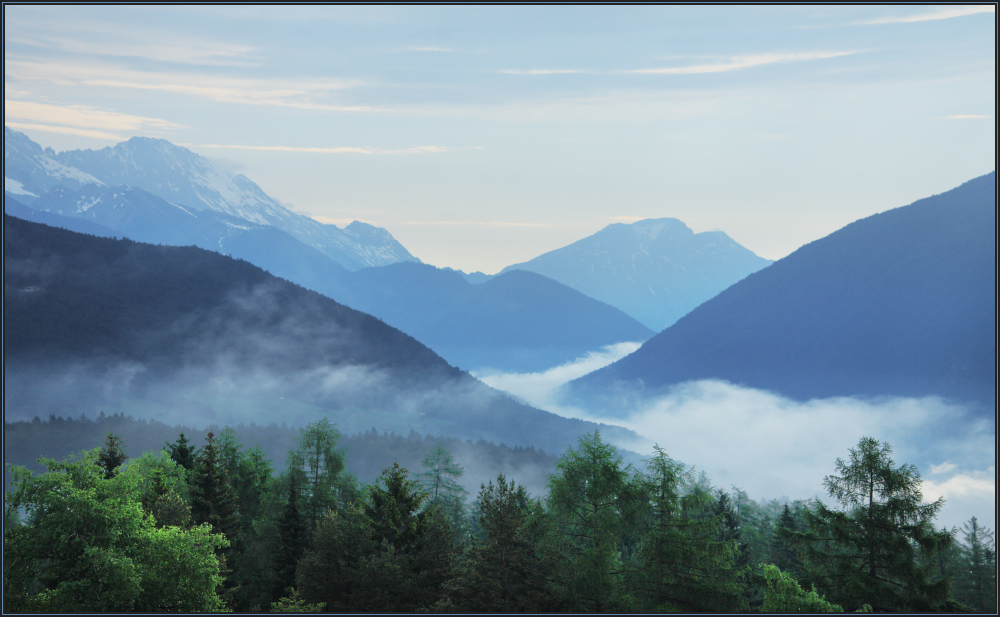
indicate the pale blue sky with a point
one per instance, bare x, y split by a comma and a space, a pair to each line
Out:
485, 136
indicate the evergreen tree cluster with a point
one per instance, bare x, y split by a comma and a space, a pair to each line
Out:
217, 527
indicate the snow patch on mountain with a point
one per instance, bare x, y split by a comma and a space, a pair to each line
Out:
13, 186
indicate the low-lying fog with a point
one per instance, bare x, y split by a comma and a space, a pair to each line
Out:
774, 447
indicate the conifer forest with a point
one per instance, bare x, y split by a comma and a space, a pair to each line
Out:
209, 524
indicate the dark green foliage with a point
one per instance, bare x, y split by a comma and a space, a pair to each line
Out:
976, 580
782, 554
595, 501
212, 498
417, 549
337, 570
685, 561
870, 552
293, 537
443, 490
505, 572
182, 453
319, 464
112, 455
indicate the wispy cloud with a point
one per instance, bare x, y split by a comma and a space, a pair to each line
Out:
439, 49
625, 218
940, 13
335, 150
79, 120
66, 130
189, 52
476, 223
541, 71
742, 62
301, 94
969, 117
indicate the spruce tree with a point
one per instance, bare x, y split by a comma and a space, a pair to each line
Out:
292, 539
181, 453
112, 455
782, 554
212, 498
504, 572
977, 586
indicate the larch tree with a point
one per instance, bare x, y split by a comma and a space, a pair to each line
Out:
869, 552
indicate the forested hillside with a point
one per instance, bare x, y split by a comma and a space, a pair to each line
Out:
97, 323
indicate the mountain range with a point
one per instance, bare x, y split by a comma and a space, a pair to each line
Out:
902, 303
179, 332
515, 322
187, 180
656, 270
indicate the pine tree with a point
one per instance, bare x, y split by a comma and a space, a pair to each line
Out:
868, 552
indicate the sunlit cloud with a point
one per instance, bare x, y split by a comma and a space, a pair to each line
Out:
742, 62
969, 117
71, 119
944, 467
940, 13
982, 484
625, 218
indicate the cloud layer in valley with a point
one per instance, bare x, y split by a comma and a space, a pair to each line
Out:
774, 447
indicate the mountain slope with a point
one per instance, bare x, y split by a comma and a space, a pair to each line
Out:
899, 303
144, 217
519, 321
90, 322
655, 270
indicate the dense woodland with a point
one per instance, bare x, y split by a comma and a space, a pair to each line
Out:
214, 526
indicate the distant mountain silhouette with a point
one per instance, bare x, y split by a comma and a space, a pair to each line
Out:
519, 321
655, 270
899, 303
89, 320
